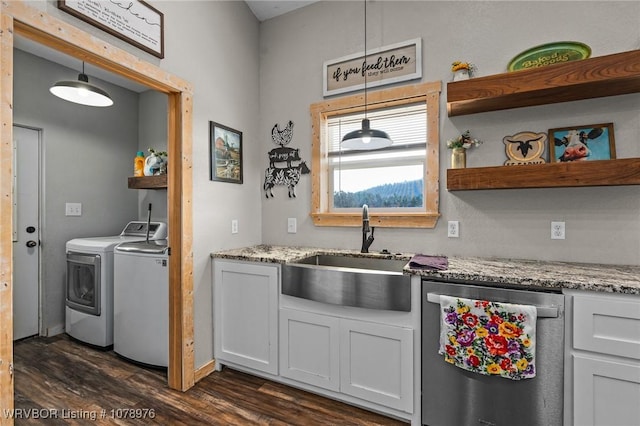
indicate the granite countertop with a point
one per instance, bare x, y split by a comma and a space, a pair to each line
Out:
526, 273
288, 254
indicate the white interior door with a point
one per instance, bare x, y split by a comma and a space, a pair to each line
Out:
26, 232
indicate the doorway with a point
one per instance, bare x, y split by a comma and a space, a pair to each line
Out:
26, 232
19, 18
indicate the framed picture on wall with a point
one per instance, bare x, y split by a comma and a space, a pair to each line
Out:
134, 21
582, 143
225, 153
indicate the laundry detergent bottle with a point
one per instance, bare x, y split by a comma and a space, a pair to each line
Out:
138, 164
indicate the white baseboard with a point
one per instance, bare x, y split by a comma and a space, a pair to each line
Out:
55, 330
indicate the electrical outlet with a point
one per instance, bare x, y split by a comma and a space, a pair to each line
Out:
234, 226
292, 225
73, 209
453, 230
557, 230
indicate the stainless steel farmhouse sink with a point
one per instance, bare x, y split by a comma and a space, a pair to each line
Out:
363, 282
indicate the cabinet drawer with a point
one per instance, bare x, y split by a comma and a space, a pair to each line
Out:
607, 324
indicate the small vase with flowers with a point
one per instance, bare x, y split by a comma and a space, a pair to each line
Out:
459, 146
462, 70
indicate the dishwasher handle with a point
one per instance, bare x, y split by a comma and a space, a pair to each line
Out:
541, 311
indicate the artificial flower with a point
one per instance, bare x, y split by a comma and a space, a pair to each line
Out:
459, 65
463, 141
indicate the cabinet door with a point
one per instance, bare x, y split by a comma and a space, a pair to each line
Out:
309, 348
606, 391
246, 314
607, 324
376, 363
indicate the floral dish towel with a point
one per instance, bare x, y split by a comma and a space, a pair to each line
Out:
489, 338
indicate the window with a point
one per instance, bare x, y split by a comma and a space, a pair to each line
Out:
399, 183
389, 178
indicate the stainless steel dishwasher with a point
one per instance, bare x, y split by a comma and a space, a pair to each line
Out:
452, 396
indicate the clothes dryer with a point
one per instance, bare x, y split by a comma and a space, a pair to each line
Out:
89, 289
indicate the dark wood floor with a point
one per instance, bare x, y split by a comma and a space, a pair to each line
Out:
74, 380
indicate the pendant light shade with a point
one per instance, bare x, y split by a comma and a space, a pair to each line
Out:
366, 138
81, 92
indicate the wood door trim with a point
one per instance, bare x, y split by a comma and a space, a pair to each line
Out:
6, 211
37, 25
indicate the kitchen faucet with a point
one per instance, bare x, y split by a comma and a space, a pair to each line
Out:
367, 240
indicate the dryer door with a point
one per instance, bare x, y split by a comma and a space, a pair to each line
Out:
83, 282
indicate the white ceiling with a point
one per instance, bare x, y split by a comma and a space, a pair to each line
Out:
267, 9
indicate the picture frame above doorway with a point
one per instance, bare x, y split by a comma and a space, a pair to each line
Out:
133, 21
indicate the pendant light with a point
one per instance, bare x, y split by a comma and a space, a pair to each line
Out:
365, 138
81, 92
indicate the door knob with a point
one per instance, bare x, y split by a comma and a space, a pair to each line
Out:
31, 243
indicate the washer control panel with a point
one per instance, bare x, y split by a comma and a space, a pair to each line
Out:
157, 230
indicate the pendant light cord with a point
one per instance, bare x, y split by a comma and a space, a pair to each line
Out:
365, 59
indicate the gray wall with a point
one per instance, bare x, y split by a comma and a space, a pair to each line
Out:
214, 45
152, 131
87, 156
602, 224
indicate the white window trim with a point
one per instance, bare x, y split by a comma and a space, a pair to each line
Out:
427, 218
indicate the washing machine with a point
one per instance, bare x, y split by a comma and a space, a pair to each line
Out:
141, 302
89, 289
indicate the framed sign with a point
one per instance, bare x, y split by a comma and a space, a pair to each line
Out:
385, 65
225, 153
133, 21
582, 143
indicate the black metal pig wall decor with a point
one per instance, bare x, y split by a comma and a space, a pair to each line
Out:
285, 165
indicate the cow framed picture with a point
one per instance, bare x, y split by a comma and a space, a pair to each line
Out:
582, 143
225, 153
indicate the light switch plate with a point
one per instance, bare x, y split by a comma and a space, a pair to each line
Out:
234, 226
292, 225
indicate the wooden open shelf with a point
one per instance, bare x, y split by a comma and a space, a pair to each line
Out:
148, 182
601, 76
583, 173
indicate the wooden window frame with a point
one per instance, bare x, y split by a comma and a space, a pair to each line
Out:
320, 197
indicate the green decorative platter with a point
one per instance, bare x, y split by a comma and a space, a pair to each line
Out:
549, 54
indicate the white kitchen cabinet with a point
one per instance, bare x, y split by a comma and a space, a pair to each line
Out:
310, 348
604, 359
376, 363
367, 360
246, 314
606, 391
